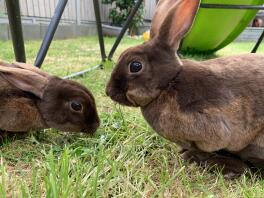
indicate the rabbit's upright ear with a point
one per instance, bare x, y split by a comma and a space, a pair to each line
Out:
25, 80
161, 12
173, 19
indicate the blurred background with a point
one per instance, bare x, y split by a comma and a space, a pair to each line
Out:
79, 20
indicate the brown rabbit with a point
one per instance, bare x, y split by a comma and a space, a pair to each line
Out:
31, 99
206, 107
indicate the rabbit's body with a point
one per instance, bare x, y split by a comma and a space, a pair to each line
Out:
31, 99
205, 106
214, 109
18, 109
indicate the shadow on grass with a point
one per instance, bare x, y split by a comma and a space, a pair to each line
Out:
199, 56
6, 137
49, 137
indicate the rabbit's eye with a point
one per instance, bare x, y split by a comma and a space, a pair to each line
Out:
135, 66
76, 106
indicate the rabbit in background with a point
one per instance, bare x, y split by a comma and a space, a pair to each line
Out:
31, 99
213, 109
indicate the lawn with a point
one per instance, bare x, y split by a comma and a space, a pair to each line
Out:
125, 158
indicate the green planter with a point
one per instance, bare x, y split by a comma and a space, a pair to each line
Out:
213, 29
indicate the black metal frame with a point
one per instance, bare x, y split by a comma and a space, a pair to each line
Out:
236, 7
13, 11
50, 32
99, 29
15, 25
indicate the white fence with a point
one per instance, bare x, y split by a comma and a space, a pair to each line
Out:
76, 11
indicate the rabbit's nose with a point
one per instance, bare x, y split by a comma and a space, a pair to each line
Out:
95, 127
91, 129
108, 90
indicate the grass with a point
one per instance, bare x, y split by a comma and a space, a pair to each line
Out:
125, 158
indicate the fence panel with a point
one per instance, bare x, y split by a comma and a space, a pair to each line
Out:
46, 8
105, 10
149, 9
87, 11
2, 7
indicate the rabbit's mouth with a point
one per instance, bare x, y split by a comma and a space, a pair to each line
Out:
123, 100
92, 129
118, 97
132, 101
73, 128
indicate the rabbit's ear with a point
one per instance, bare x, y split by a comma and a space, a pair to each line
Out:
2, 63
161, 12
25, 80
177, 22
30, 68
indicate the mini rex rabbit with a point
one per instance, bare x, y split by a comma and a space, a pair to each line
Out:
206, 107
31, 99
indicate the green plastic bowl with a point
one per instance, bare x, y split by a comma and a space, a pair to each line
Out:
213, 29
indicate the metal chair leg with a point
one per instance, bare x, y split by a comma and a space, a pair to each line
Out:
99, 29
254, 50
50, 32
13, 11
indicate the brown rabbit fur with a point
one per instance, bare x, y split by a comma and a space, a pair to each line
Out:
206, 106
31, 99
